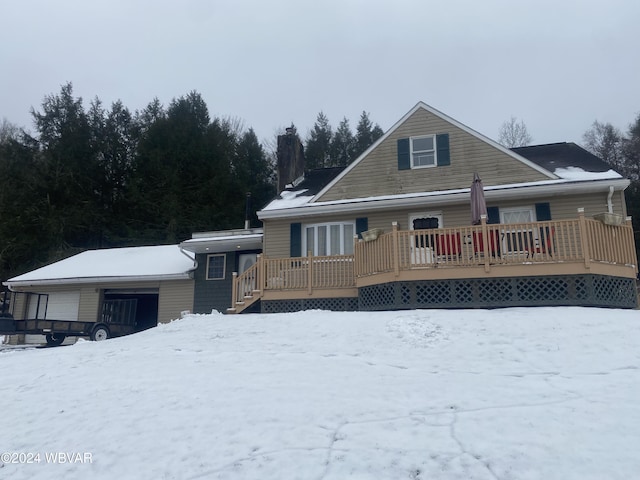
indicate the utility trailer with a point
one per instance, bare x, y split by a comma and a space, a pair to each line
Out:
117, 318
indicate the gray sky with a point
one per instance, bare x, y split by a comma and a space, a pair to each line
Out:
558, 65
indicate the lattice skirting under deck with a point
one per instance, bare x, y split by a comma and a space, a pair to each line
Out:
585, 290
348, 304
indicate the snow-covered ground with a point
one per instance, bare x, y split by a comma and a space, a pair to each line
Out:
536, 393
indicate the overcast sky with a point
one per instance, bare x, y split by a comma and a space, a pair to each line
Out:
558, 65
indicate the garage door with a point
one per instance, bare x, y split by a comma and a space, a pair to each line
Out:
60, 306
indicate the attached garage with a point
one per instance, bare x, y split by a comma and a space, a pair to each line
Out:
141, 285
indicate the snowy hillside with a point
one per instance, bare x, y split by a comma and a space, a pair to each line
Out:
538, 393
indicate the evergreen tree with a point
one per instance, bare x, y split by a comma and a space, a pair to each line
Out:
23, 207
318, 144
69, 168
253, 173
342, 145
366, 134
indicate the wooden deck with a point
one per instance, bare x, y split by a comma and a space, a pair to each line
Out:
562, 247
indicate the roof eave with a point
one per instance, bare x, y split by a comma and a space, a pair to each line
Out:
502, 192
88, 280
213, 245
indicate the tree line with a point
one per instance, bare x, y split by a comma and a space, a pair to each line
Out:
101, 176
104, 176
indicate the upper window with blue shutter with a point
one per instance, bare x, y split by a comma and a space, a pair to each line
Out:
423, 151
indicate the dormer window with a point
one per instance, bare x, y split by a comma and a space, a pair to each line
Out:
423, 151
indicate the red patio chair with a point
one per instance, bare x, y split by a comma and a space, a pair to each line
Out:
494, 243
448, 245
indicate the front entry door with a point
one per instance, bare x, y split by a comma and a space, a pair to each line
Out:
422, 244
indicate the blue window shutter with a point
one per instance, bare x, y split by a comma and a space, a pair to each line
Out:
362, 225
442, 146
543, 212
295, 247
404, 155
493, 215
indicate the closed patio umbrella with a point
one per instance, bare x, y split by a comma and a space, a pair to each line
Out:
478, 204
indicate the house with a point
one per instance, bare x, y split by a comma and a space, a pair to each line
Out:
159, 279
393, 230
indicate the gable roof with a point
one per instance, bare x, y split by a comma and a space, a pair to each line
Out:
160, 262
566, 168
446, 118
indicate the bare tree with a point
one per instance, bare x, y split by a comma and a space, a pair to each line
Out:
513, 133
8, 131
606, 141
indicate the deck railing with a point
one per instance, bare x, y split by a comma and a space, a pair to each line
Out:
300, 273
576, 240
558, 241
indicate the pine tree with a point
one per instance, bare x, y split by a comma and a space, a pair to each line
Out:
366, 134
317, 148
342, 145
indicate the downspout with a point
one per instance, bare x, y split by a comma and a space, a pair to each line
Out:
193, 259
609, 197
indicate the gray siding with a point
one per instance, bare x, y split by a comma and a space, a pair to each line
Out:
213, 294
216, 294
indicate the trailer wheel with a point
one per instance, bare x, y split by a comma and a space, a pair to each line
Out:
54, 339
99, 333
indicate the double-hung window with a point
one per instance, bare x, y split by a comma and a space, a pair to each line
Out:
329, 238
423, 151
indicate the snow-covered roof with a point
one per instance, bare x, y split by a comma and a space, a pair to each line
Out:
578, 173
158, 262
289, 199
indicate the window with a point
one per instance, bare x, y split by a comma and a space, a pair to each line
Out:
423, 152
216, 266
517, 215
329, 239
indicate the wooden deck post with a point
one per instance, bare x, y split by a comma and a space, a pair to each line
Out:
395, 254
260, 275
309, 273
234, 289
485, 243
584, 241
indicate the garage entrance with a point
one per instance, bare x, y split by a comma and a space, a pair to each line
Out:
138, 307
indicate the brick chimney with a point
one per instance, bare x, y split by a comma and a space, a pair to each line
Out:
290, 158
